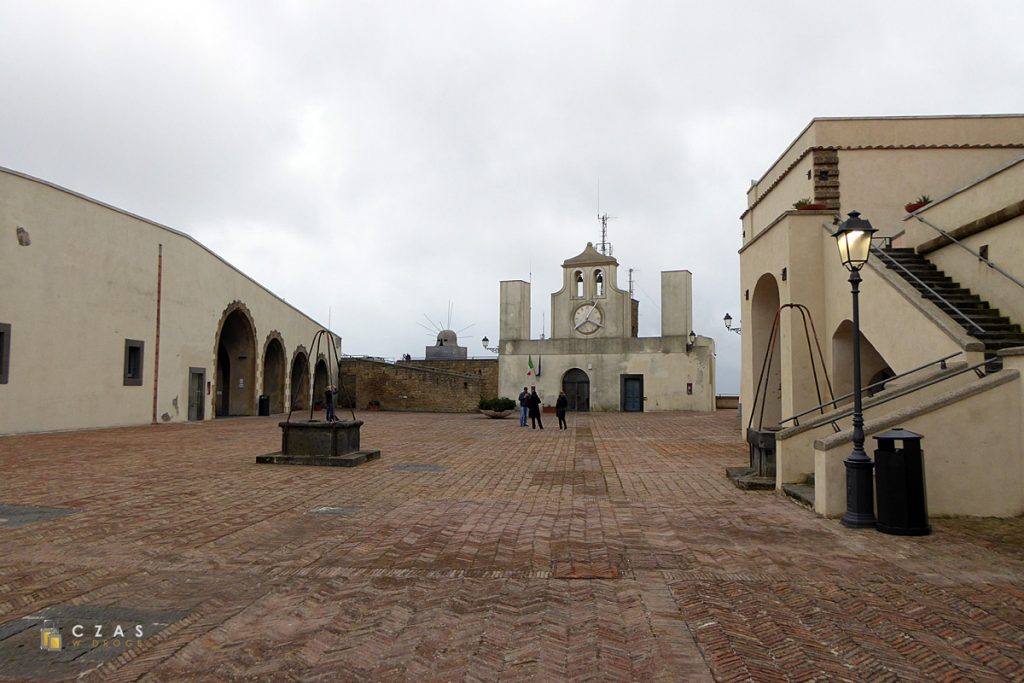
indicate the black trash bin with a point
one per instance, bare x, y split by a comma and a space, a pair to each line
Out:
264, 404
899, 484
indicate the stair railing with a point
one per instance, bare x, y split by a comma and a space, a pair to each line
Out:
977, 368
882, 253
941, 362
970, 251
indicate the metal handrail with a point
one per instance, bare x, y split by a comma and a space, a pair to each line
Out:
835, 401
976, 254
976, 368
881, 252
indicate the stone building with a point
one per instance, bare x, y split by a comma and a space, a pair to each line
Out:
594, 353
110, 319
446, 348
941, 294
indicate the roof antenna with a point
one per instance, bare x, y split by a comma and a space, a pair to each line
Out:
604, 246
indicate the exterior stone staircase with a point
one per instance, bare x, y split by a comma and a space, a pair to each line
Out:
963, 306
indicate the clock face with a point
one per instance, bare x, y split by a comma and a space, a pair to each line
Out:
587, 319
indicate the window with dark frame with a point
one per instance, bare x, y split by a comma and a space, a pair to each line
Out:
5, 351
133, 362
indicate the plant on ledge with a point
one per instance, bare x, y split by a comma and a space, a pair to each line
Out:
806, 204
917, 203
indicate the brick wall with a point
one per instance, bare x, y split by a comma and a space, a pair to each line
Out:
406, 386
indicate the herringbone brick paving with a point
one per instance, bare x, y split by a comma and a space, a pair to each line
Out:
614, 551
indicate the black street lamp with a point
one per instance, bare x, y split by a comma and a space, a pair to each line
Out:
485, 341
728, 324
853, 237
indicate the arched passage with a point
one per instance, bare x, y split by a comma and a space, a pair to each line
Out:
763, 306
576, 386
273, 374
873, 367
320, 376
236, 366
300, 381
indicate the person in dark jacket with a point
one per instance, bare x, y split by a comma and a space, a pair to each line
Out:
534, 404
524, 407
560, 405
329, 404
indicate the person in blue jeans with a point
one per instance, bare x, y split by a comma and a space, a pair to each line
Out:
524, 407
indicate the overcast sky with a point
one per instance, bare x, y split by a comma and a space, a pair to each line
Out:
374, 161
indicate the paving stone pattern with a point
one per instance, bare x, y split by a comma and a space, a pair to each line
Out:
616, 550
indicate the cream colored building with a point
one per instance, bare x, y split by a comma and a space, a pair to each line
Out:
972, 169
594, 353
110, 319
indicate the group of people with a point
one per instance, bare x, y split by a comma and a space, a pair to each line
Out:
529, 406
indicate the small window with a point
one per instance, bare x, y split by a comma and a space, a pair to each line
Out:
5, 351
598, 283
133, 363
579, 284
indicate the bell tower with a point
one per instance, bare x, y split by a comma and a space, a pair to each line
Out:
590, 304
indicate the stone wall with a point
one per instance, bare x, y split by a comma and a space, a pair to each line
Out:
484, 368
407, 386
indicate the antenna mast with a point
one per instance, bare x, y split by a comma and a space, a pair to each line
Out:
630, 283
604, 246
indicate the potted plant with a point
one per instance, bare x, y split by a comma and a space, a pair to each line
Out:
917, 203
497, 408
806, 204
373, 405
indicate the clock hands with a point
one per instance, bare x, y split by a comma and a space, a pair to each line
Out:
593, 307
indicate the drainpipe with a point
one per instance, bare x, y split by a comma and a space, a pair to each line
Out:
156, 353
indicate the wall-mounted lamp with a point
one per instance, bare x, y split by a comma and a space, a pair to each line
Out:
485, 341
691, 340
728, 325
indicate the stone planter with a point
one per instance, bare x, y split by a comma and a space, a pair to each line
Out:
497, 414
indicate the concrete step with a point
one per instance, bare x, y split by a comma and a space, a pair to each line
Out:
801, 493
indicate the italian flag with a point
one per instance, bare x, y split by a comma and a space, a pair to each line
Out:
529, 365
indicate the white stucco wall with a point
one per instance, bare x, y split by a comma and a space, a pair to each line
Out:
87, 282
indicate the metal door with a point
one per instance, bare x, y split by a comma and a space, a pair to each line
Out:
576, 386
633, 394
196, 396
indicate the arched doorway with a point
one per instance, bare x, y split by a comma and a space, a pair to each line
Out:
873, 367
300, 381
576, 386
236, 366
319, 381
763, 307
273, 374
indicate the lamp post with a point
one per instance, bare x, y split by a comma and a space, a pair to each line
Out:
485, 341
728, 324
853, 237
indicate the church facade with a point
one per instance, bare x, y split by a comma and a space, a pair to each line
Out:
594, 353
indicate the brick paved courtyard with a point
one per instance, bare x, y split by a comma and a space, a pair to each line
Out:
477, 550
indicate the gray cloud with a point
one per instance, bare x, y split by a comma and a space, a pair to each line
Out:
379, 160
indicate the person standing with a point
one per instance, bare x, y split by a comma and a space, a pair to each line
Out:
524, 406
329, 403
560, 405
534, 403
